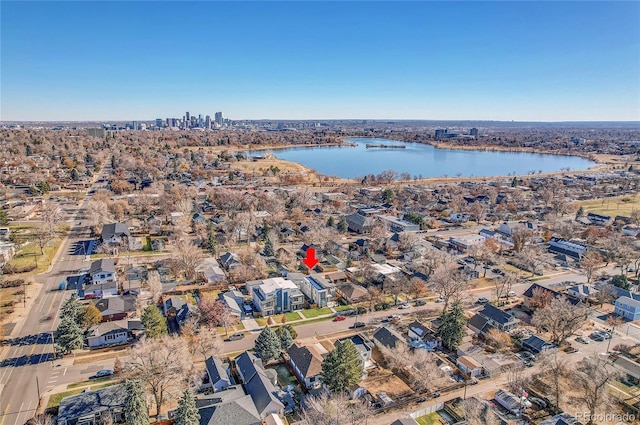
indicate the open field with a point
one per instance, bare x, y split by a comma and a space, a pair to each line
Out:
315, 312
430, 419
30, 255
622, 205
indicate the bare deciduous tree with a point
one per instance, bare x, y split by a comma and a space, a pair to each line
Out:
560, 318
591, 378
590, 263
186, 257
447, 281
478, 413
161, 363
336, 409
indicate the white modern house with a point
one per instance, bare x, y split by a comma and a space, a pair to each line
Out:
275, 295
317, 289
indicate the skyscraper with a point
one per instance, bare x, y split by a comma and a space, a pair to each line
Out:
159, 122
188, 117
207, 121
219, 119
474, 132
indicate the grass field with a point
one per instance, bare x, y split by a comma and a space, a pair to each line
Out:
55, 399
311, 313
430, 419
611, 206
25, 256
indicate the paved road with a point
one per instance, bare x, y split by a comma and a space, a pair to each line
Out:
27, 368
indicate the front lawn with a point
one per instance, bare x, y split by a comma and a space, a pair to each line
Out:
311, 313
430, 419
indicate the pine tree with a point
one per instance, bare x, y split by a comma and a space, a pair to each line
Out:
579, 213
286, 340
342, 225
267, 345
4, 218
153, 322
72, 308
68, 335
452, 326
330, 222
342, 368
187, 412
135, 405
268, 249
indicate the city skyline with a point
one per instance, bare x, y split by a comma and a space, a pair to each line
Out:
327, 61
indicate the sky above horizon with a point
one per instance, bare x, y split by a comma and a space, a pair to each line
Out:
522, 61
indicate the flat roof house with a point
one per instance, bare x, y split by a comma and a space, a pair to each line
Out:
275, 295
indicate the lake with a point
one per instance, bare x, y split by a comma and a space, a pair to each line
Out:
421, 160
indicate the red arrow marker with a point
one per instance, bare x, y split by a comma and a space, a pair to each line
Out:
311, 259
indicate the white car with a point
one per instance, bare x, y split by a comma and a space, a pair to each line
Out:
404, 307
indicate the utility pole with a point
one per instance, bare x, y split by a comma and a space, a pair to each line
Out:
24, 294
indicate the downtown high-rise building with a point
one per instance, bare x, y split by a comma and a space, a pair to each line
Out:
207, 121
219, 119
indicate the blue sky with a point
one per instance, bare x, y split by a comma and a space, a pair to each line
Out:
538, 61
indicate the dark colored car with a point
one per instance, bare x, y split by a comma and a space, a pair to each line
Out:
420, 302
358, 325
420, 400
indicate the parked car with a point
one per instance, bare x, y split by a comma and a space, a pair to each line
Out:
358, 325
404, 306
582, 340
596, 337
538, 402
102, 373
420, 302
420, 400
440, 300
339, 318
482, 300
436, 394
512, 294
235, 337
570, 349
527, 355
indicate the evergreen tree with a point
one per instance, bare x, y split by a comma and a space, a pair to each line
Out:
187, 412
579, 213
267, 345
514, 182
68, 335
72, 308
388, 195
135, 404
4, 218
75, 176
342, 225
452, 326
268, 249
211, 239
342, 368
286, 340
330, 222
153, 322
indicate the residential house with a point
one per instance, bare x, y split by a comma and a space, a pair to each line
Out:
305, 361
338, 278
630, 369
114, 233
218, 375
561, 419
5, 234
89, 407
570, 249
116, 308
469, 366
318, 290
582, 292
529, 295
178, 309
7, 251
112, 333
463, 243
599, 219
363, 347
275, 295
419, 332
231, 406
229, 260
492, 317
359, 223
397, 225
352, 293
102, 271
234, 300
211, 272
388, 337
536, 344
628, 307
258, 385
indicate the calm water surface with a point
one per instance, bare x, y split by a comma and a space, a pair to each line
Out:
423, 160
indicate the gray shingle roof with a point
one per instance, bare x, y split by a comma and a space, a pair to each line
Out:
240, 411
114, 229
387, 338
102, 265
91, 402
495, 314
216, 370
